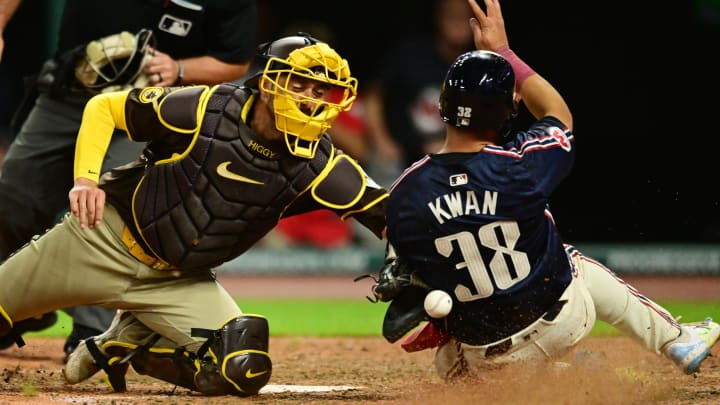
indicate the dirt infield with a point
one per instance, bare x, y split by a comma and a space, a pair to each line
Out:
364, 370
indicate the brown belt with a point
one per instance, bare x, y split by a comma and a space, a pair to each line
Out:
137, 251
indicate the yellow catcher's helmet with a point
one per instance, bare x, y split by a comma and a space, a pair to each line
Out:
303, 56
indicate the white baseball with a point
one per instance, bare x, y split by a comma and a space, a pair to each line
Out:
438, 303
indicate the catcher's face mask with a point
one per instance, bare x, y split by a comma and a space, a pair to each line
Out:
310, 88
115, 62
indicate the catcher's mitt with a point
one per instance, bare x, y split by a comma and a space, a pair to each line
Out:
115, 62
405, 312
396, 282
393, 278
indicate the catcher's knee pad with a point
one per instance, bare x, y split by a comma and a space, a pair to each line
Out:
240, 352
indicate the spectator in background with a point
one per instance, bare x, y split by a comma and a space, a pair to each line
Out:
190, 44
401, 103
350, 131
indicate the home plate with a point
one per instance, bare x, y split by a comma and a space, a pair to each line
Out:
275, 388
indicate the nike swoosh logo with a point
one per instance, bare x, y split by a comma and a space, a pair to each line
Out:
250, 374
223, 171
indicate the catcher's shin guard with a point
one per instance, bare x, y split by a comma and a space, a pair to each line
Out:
233, 361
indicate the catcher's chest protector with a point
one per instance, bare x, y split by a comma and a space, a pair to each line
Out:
210, 204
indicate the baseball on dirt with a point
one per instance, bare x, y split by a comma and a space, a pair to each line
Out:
438, 303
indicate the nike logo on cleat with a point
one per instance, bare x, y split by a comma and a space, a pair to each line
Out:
250, 374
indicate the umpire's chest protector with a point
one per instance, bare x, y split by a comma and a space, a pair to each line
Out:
209, 204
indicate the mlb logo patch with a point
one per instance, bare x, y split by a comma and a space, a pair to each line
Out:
458, 179
173, 25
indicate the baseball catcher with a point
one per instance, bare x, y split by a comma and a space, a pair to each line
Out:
473, 220
221, 166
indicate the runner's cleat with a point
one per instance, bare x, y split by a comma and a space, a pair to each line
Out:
693, 345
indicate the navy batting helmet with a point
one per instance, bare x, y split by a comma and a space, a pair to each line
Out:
479, 92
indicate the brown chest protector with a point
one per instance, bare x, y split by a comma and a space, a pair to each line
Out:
211, 203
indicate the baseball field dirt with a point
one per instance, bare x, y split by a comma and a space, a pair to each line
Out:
602, 370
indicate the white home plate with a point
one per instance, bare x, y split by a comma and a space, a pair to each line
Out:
275, 388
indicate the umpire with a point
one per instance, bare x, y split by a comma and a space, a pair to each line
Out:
221, 166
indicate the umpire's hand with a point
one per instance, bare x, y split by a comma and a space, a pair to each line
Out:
87, 202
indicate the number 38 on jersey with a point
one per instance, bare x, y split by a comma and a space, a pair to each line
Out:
504, 254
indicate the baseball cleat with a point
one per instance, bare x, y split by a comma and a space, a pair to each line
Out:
693, 345
78, 334
80, 365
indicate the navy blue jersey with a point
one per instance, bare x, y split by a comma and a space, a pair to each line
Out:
477, 225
